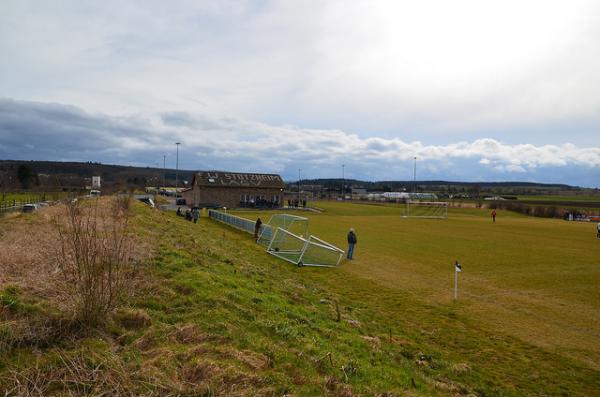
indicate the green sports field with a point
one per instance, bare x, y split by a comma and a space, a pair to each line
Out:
534, 279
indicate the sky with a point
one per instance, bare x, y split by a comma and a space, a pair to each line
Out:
475, 90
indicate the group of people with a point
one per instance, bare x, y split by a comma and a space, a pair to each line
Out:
189, 215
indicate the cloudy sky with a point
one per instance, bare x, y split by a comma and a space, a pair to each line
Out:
476, 90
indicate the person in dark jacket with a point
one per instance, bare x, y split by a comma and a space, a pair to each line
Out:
352, 240
257, 228
195, 214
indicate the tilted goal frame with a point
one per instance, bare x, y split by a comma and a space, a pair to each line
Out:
301, 254
285, 221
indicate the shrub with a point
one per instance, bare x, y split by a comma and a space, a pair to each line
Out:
94, 255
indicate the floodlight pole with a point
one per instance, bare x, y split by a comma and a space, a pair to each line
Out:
415, 176
298, 186
164, 171
177, 170
343, 182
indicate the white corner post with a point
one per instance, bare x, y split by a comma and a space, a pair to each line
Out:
455, 284
457, 269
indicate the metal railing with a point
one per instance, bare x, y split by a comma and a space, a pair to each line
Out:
243, 224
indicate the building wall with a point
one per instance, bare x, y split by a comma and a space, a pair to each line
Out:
226, 196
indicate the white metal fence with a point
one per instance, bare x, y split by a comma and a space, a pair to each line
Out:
243, 224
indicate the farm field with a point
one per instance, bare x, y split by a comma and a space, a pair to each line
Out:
533, 278
583, 198
214, 315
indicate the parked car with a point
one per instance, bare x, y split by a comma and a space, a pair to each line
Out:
29, 208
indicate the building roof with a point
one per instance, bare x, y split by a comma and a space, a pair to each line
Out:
237, 179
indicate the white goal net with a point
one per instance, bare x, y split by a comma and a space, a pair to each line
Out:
292, 223
301, 251
426, 209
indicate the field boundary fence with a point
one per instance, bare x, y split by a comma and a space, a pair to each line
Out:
237, 222
14, 205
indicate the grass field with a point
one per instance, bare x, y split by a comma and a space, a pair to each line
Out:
535, 279
218, 316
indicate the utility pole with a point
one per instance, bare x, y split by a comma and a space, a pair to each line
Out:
177, 170
343, 182
415, 177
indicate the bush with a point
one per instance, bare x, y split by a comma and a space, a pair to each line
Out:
94, 255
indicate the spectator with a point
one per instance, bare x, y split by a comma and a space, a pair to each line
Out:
494, 215
352, 240
257, 228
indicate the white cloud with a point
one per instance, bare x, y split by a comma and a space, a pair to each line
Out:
233, 144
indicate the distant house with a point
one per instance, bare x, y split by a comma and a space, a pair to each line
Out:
234, 189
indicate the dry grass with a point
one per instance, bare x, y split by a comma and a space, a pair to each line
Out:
72, 254
27, 243
39, 301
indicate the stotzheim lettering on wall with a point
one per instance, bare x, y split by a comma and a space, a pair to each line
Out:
235, 179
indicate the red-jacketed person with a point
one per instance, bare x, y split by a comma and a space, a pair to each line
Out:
494, 215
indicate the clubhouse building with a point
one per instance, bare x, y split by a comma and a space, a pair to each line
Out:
234, 190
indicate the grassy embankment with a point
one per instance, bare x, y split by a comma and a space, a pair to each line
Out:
220, 317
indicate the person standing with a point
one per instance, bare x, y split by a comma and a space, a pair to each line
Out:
598, 230
257, 228
494, 215
352, 240
195, 214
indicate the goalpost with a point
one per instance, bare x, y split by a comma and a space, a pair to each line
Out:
426, 209
286, 237
292, 223
302, 251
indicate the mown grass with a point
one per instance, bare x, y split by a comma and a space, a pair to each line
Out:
218, 316
535, 279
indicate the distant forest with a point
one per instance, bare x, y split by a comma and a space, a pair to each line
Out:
54, 175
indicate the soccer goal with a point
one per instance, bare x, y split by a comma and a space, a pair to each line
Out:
301, 251
426, 209
295, 224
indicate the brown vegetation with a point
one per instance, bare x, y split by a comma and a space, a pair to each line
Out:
69, 261
94, 255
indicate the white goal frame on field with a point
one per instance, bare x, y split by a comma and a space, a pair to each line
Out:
300, 251
292, 223
426, 209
